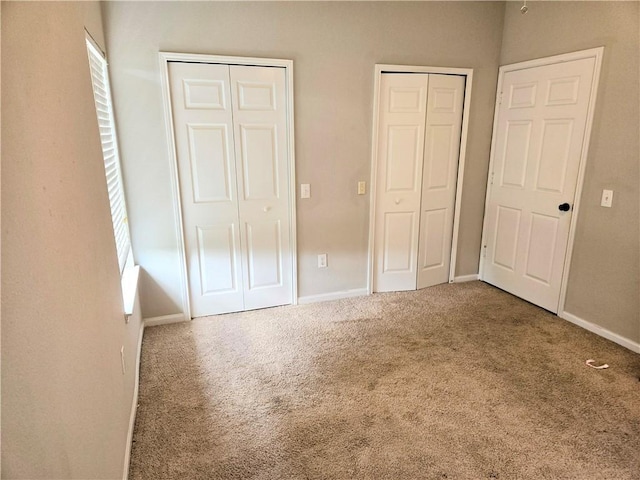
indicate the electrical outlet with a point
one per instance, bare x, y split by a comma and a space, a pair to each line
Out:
362, 188
305, 190
322, 260
607, 198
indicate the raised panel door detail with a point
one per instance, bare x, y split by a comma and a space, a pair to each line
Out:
403, 162
256, 96
204, 94
563, 91
259, 161
440, 142
541, 247
217, 252
200, 96
262, 160
506, 237
209, 157
444, 100
400, 156
525, 236
437, 206
523, 95
264, 247
398, 242
516, 153
434, 222
231, 138
406, 100
554, 155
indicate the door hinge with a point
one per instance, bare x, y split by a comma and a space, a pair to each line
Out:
484, 251
500, 98
492, 175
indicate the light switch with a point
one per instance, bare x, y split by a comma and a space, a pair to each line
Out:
362, 188
607, 198
305, 190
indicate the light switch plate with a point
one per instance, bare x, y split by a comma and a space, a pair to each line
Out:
362, 188
607, 198
305, 190
322, 260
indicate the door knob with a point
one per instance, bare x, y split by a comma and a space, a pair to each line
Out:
564, 207
266, 209
397, 201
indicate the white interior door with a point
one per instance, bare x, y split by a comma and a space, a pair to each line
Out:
402, 119
203, 129
230, 136
540, 130
445, 101
419, 127
260, 125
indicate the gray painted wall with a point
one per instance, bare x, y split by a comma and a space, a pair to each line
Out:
604, 281
65, 402
334, 46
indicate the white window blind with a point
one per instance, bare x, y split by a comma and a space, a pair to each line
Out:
104, 110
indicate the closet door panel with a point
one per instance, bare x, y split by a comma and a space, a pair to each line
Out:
401, 126
264, 254
203, 132
260, 126
441, 154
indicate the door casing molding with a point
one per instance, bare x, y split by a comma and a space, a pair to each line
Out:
596, 53
384, 68
164, 59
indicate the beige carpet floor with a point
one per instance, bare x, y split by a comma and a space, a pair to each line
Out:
452, 382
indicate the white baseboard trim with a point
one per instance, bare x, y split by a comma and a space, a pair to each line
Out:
164, 319
324, 297
134, 406
603, 332
466, 278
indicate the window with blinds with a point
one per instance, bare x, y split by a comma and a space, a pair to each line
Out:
104, 110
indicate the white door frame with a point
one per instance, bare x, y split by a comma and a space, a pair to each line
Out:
540, 62
165, 58
379, 70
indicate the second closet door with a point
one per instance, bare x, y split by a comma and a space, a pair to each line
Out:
419, 124
230, 134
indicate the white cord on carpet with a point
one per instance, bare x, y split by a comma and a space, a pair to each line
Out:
590, 363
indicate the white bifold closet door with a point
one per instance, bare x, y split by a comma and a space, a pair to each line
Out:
230, 127
419, 126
